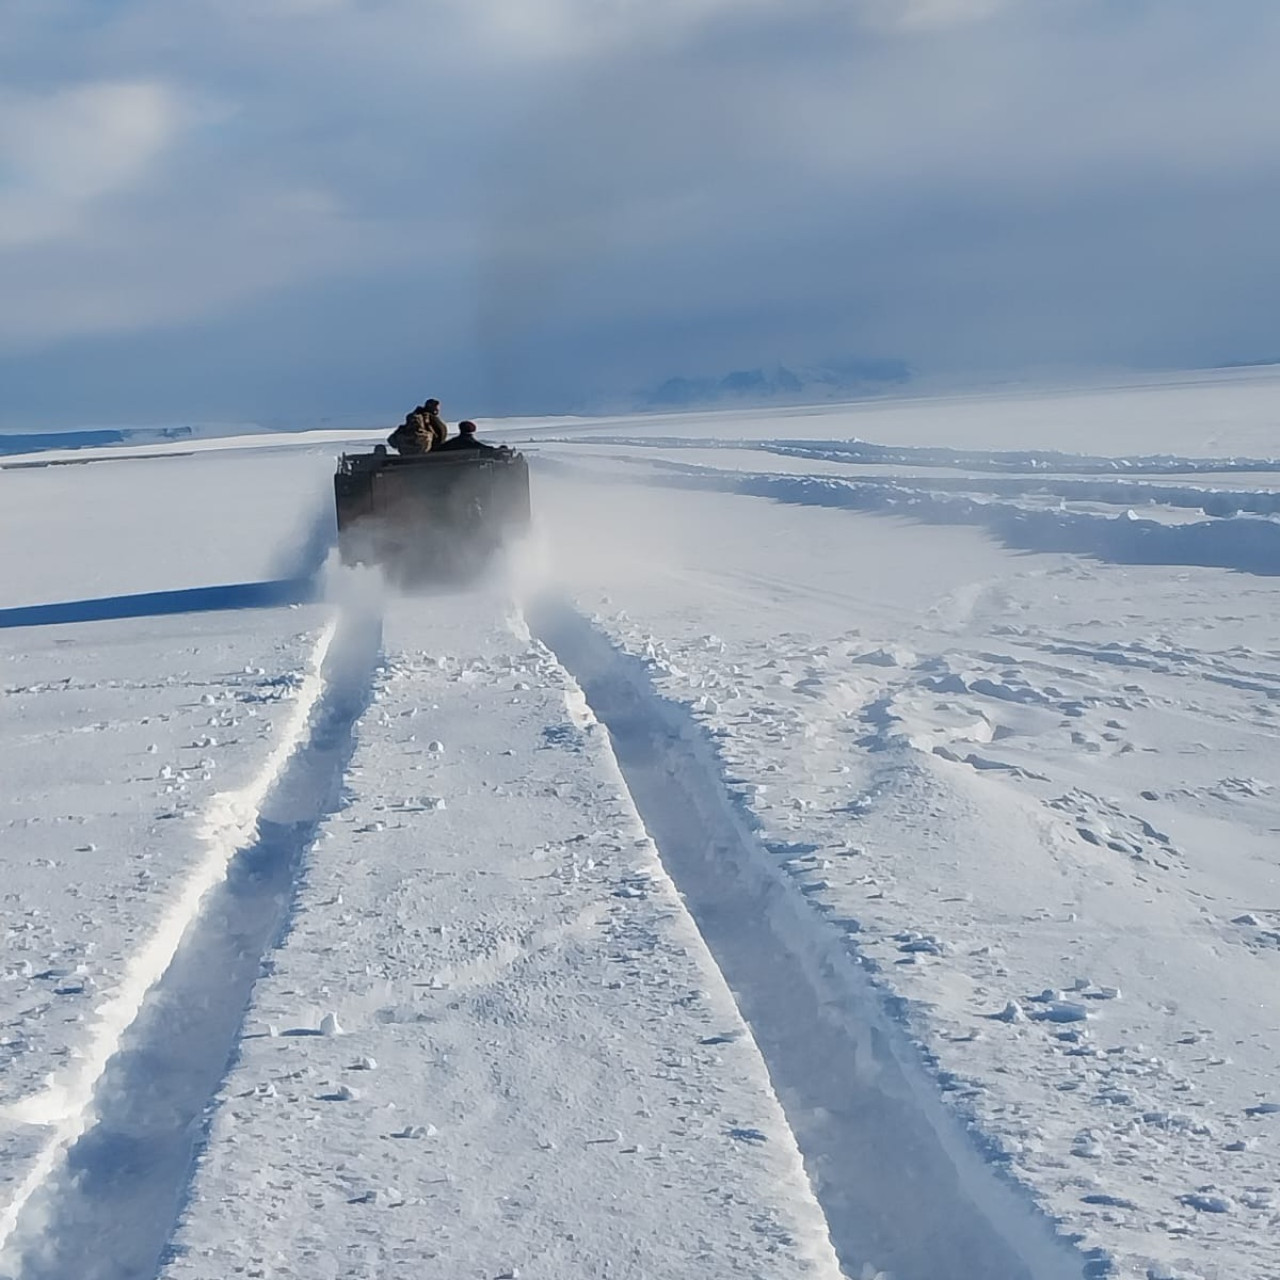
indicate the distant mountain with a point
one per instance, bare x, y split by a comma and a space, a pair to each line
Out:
829, 381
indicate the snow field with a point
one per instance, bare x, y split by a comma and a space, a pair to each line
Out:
100, 527
958, 746
1035, 808
492, 1042
1123, 522
187, 732
1211, 413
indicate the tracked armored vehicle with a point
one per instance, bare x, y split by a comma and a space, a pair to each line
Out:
433, 517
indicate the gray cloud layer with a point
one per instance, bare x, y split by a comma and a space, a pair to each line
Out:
271, 206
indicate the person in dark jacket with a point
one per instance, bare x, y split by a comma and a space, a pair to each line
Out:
466, 439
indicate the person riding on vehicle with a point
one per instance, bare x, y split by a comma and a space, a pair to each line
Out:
466, 439
422, 430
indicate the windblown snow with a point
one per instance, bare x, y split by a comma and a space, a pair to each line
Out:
844, 843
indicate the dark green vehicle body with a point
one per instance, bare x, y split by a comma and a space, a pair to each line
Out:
432, 516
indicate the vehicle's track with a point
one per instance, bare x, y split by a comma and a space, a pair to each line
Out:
103, 1201
902, 1186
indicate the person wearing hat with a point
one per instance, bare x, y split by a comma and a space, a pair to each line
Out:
466, 439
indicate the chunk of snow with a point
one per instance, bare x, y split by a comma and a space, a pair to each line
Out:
1207, 1201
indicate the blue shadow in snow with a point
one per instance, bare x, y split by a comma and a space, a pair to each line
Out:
150, 604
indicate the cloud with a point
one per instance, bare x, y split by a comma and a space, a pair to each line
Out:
603, 192
918, 15
902, 195
161, 266
589, 27
64, 151
112, 220
574, 28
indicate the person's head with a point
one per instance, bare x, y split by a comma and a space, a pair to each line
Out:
432, 406
467, 428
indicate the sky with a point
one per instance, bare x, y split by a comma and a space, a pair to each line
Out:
305, 209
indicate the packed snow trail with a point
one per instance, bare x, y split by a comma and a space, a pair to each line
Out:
901, 1184
109, 956
493, 1042
122, 1125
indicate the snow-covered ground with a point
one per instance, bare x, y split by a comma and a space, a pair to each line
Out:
847, 843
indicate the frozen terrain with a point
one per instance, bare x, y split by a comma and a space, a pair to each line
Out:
844, 843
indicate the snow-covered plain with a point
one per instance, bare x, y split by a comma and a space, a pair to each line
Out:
845, 842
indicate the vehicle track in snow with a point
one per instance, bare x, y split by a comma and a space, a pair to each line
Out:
903, 1187
1130, 523
104, 1198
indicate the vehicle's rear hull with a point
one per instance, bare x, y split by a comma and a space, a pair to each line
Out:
436, 516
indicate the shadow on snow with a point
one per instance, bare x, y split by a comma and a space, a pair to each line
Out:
151, 604
298, 582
